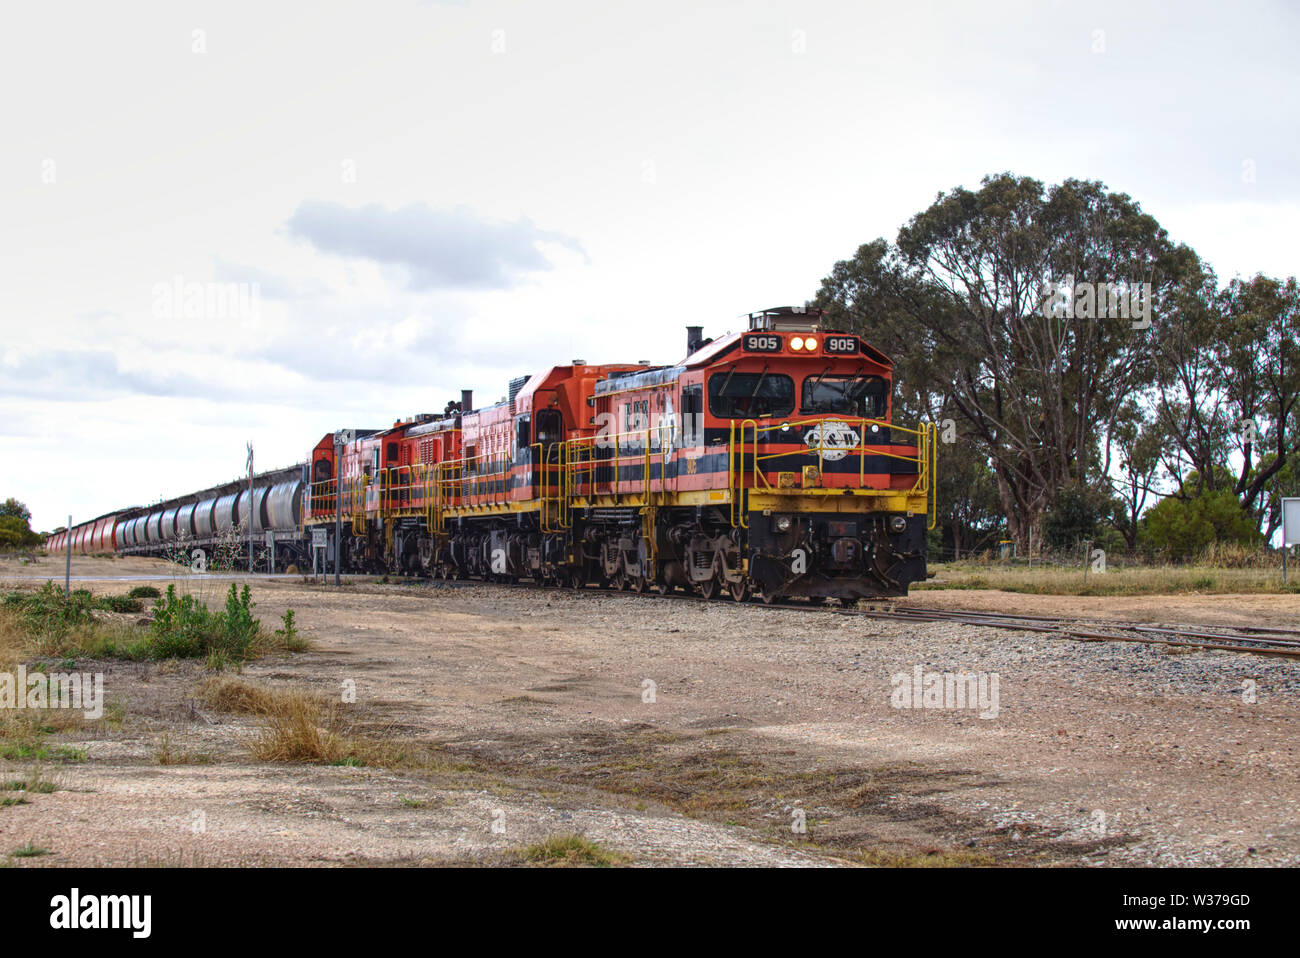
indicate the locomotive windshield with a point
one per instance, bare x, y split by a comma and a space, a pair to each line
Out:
750, 395
860, 396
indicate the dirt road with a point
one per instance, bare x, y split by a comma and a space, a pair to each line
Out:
688, 733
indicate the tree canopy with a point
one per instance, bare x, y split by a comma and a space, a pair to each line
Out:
15, 528
1090, 364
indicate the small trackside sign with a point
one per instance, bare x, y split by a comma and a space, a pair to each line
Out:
1290, 522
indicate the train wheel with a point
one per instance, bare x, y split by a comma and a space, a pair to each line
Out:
767, 597
739, 590
708, 587
621, 582
639, 584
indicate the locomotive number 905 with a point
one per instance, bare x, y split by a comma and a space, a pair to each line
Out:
762, 343
841, 344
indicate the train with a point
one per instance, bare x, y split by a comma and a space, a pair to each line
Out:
211, 525
765, 463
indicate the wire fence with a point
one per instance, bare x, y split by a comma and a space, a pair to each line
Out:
1084, 553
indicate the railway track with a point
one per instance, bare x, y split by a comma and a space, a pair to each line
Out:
1259, 640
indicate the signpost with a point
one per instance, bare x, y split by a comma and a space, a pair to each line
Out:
67, 569
250, 508
270, 551
319, 543
1290, 528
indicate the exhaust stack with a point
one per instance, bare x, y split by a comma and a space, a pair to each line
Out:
694, 338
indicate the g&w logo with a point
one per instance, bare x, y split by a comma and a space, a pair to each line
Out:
832, 439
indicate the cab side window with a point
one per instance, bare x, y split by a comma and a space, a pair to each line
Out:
692, 416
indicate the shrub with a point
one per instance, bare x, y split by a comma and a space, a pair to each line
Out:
145, 592
1182, 528
48, 612
47, 623
119, 603
184, 627
287, 637
1077, 513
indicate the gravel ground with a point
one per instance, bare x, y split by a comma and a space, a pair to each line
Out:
757, 719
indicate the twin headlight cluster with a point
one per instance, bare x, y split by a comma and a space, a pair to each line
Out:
897, 524
803, 342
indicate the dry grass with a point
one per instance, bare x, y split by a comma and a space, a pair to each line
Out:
299, 726
1117, 581
239, 697
167, 754
23, 732
18, 724
13, 640
37, 782
927, 858
571, 851
300, 730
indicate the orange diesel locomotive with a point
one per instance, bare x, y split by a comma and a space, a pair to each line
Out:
766, 462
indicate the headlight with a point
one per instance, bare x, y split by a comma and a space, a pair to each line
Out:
810, 343
796, 343
783, 524
897, 523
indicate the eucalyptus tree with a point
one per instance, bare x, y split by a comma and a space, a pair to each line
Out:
1258, 374
1028, 308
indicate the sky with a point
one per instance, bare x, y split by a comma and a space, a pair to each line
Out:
241, 222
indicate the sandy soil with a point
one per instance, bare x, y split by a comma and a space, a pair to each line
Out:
686, 733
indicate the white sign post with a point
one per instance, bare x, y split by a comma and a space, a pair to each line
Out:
319, 545
1290, 528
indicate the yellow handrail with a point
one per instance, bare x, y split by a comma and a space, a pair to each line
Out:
567, 471
922, 443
